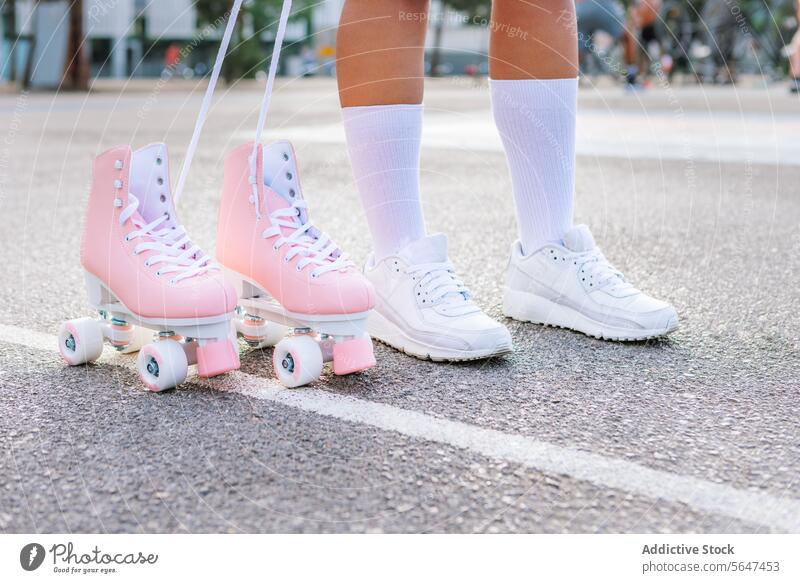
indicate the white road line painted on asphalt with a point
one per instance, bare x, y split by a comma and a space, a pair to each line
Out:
605, 472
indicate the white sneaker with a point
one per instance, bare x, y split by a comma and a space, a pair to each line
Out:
424, 310
574, 286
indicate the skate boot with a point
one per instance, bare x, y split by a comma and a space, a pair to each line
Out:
146, 278
290, 277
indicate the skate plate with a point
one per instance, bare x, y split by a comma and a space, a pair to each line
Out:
207, 342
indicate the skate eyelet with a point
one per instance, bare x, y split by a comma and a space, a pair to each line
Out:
314, 276
159, 161
285, 157
160, 181
163, 198
288, 176
292, 193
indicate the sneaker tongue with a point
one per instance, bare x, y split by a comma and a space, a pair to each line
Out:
579, 239
432, 249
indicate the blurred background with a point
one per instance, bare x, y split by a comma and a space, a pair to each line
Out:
65, 44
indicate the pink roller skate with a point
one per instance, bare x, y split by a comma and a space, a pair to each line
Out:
287, 273
144, 273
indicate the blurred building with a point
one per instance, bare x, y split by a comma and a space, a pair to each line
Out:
132, 38
124, 38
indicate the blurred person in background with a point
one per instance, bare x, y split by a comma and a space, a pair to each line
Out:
719, 21
598, 17
556, 274
643, 15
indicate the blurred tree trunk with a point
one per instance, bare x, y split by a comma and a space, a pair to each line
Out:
76, 73
438, 33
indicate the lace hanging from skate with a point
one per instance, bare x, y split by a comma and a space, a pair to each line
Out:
283, 22
172, 246
314, 247
206, 105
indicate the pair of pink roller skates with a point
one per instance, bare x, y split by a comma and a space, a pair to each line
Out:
281, 281
293, 286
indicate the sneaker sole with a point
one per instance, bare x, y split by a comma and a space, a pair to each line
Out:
387, 333
527, 307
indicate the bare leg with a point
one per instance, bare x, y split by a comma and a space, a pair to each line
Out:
534, 68
794, 60
534, 96
380, 69
533, 39
380, 52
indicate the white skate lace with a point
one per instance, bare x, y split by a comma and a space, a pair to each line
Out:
315, 247
174, 250
438, 282
594, 265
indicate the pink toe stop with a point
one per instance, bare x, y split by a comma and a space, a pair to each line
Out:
352, 356
215, 358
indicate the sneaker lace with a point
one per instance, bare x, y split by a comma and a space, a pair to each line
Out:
603, 274
172, 245
315, 247
439, 282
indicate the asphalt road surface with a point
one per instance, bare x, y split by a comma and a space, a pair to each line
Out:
693, 192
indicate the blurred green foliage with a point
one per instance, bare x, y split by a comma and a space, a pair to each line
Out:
247, 54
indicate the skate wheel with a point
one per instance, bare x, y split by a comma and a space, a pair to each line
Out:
162, 365
80, 341
297, 361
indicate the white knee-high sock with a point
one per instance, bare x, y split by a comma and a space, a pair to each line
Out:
536, 120
384, 145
